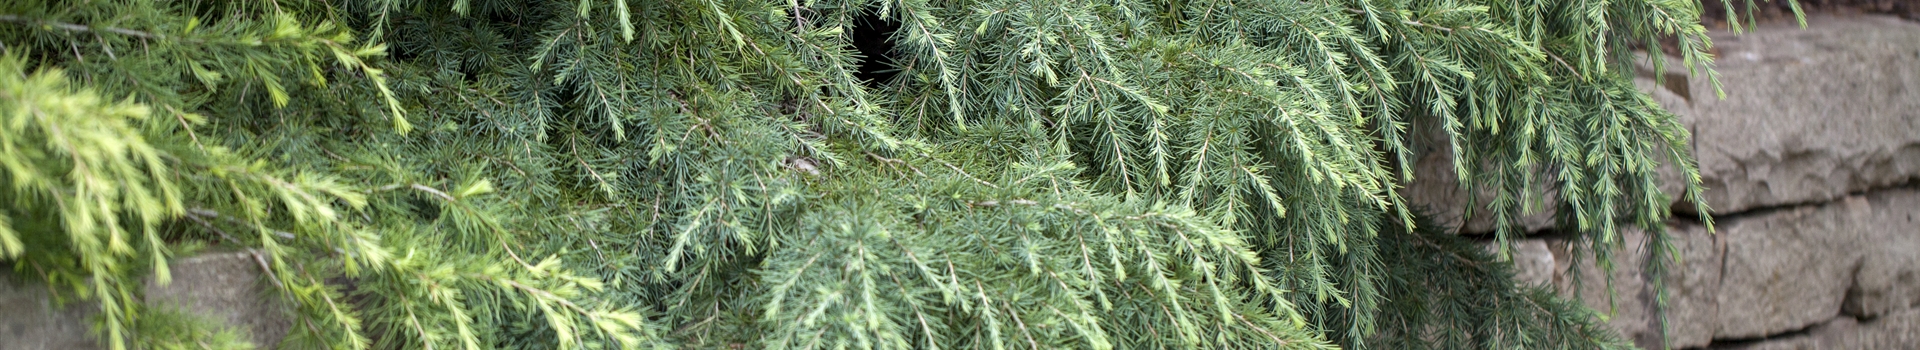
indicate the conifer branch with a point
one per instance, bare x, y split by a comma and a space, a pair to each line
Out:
78, 27
1210, 174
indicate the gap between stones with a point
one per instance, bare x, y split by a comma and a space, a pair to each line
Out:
1718, 343
1797, 332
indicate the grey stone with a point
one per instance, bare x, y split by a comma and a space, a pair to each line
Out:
1810, 115
226, 286
1886, 282
1888, 279
1802, 260
1673, 182
1898, 331
30, 321
1694, 286
1437, 187
229, 287
1691, 282
1793, 268
1533, 263
1785, 270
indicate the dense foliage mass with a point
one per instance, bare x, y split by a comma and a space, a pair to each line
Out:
832, 173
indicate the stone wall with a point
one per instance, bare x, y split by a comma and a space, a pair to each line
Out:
1811, 164
226, 287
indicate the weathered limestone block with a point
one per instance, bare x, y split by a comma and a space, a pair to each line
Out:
1787, 270
1790, 269
230, 288
1672, 181
30, 321
1436, 187
1692, 284
1533, 262
225, 286
1810, 115
1888, 279
1762, 275
1898, 331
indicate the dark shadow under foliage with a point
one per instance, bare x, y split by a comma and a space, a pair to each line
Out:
873, 39
1448, 292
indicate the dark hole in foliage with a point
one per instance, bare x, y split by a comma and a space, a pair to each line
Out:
873, 37
424, 209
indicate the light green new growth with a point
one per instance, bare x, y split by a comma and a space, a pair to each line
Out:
734, 174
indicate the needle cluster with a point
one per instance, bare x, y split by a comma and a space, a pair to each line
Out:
738, 174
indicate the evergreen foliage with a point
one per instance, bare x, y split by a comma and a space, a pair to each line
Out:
724, 173
1454, 296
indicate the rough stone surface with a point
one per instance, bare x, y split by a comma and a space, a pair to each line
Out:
1533, 262
30, 321
1785, 270
1810, 164
1793, 268
1691, 283
1693, 286
225, 286
1888, 279
1672, 182
229, 287
1762, 275
1810, 115
1899, 331
1436, 187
